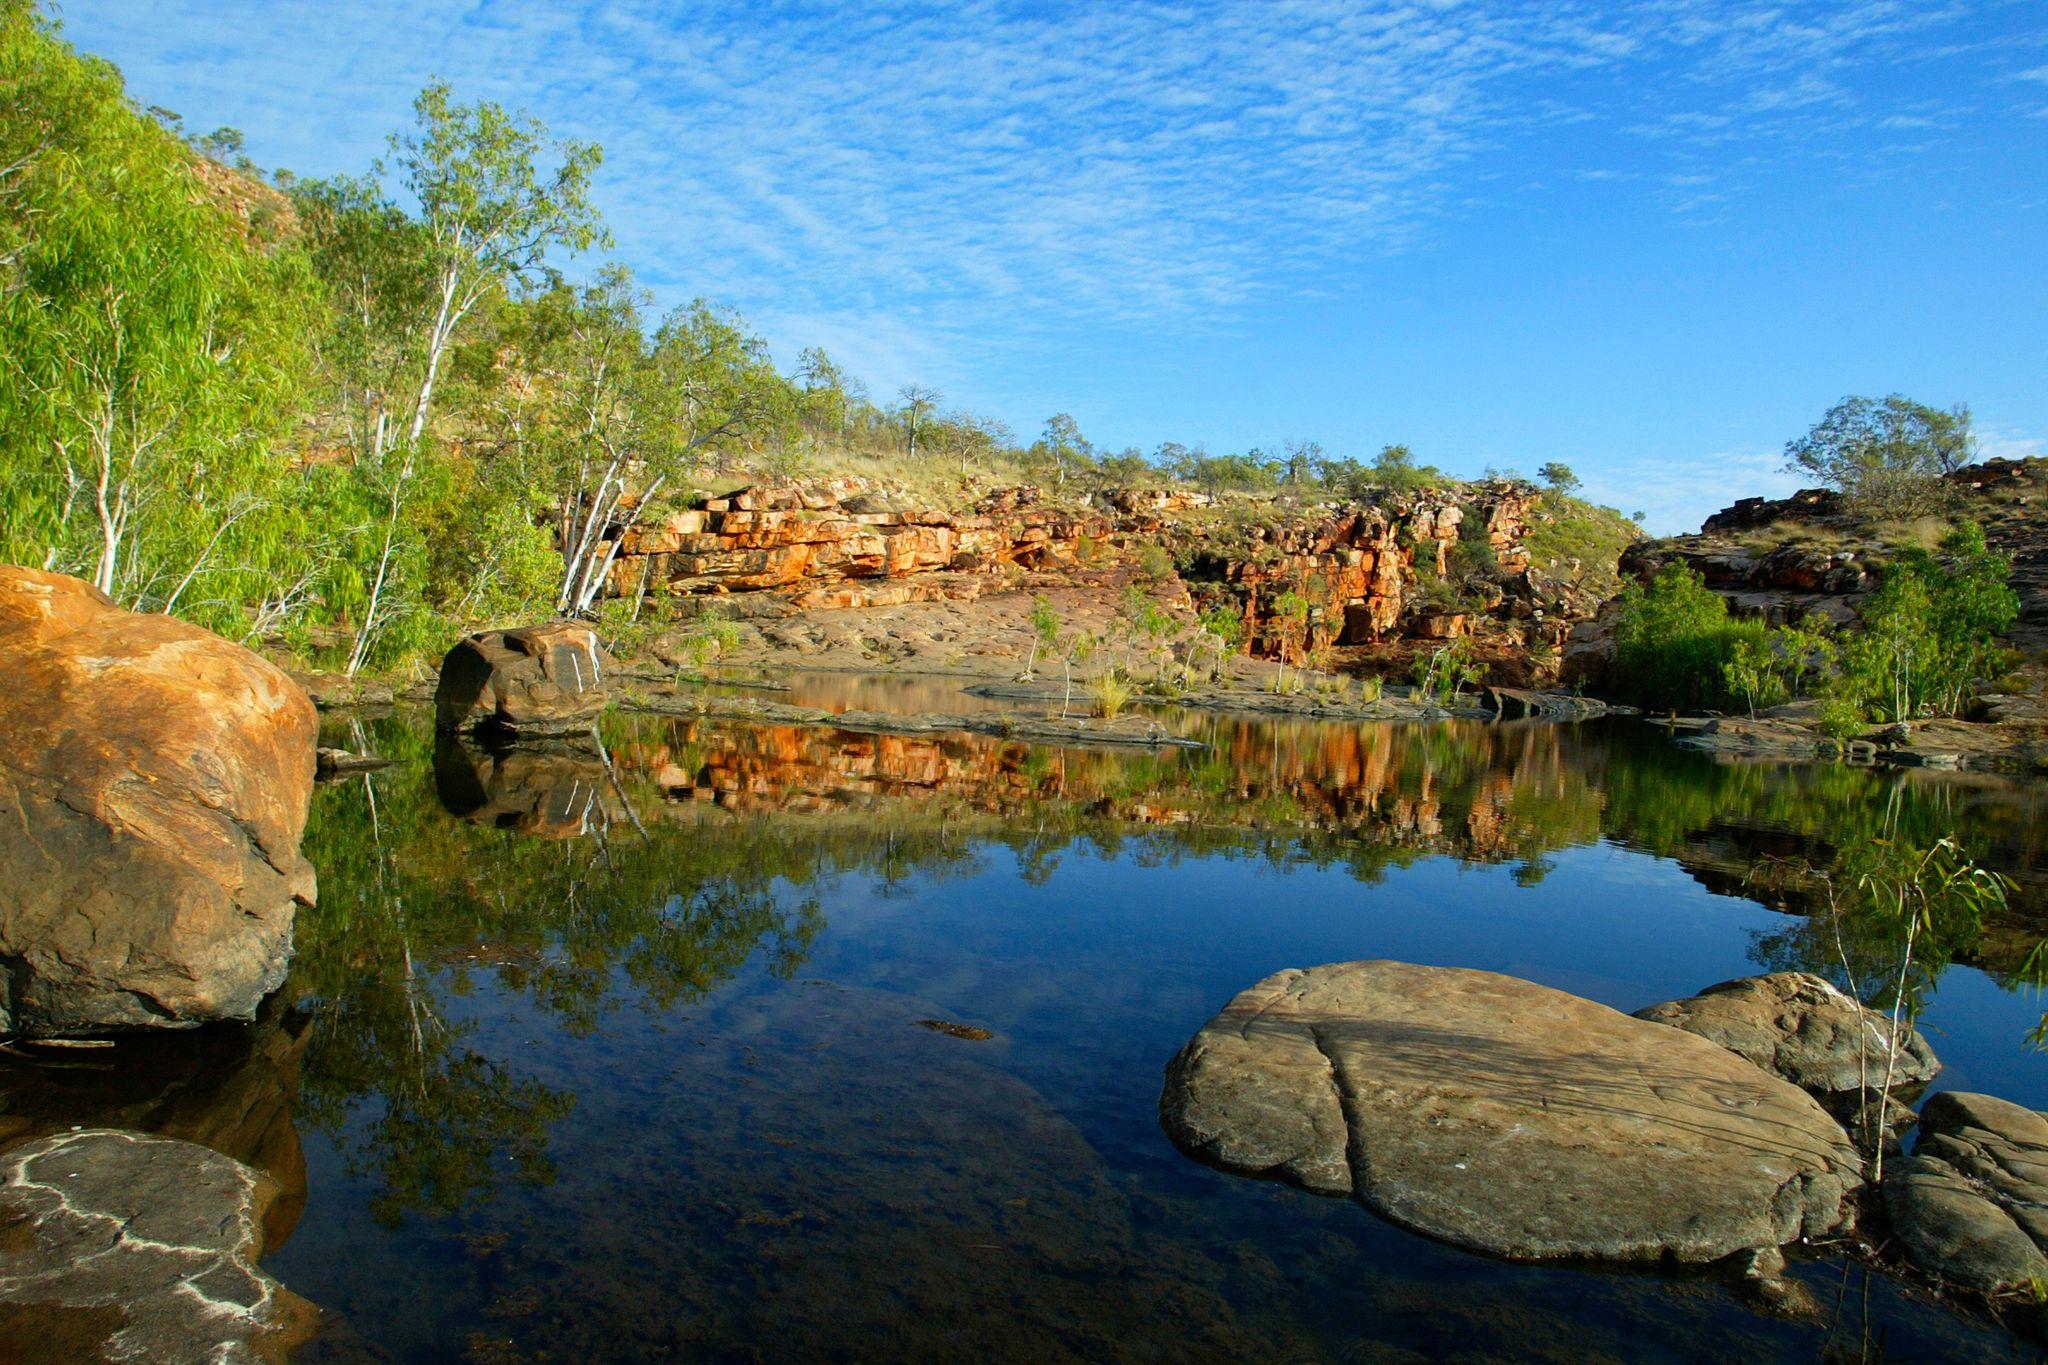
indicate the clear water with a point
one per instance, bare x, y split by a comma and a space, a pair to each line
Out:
618, 1056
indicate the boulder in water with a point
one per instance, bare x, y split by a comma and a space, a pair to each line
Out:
123, 1246
538, 680
1507, 1117
1970, 1204
156, 779
1798, 1026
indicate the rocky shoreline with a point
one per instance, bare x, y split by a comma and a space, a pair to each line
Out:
1523, 1122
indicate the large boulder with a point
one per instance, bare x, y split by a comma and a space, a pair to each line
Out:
121, 1246
1971, 1204
538, 680
1798, 1026
1509, 1118
156, 780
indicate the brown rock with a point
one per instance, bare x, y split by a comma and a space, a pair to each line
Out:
542, 680
158, 778
1507, 1117
1798, 1026
1969, 1203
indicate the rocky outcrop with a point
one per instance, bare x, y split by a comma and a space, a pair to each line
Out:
156, 780
121, 1246
1786, 558
538, 680
1361, 568
1798, 1026
843, 543
1509, 1118
1971, 1204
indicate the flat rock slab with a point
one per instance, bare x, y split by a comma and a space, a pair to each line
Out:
1971, 1204
120, 1246
1798, 1026
1507, 1117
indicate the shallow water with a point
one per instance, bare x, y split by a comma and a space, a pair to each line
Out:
617, 1054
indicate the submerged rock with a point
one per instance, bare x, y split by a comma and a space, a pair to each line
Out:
156, 779
1798, 1026
1509, 1118
1971, 1204
120, 1246
539, 680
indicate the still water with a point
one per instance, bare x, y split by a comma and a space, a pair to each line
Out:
616, 1054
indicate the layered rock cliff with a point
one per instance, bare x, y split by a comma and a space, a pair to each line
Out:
1431, 564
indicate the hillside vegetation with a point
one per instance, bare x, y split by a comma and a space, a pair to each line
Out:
349, 417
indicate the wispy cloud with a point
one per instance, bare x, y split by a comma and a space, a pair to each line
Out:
943, 184
1676, 496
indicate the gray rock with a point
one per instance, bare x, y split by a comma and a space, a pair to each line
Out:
1971, 1204
1506, 1117
1798, 1026
148, 1244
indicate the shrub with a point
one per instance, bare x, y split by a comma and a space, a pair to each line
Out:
1930, 632
1111, 692
1440, 674
1674, 641
1840, 719
1154, 563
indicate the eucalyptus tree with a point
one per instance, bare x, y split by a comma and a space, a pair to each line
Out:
490, 215
1063, 445
1886, 455
828, 395
150, 337
918, 402
643, 410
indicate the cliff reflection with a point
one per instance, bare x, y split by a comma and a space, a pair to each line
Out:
652, 865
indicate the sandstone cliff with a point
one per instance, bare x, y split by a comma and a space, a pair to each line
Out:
1431, 564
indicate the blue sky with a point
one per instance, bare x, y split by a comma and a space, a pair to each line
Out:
1652, 238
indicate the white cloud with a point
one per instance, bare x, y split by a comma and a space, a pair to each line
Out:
942, 185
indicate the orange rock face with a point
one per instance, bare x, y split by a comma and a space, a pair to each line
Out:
1359, 567
156, 779
827, 539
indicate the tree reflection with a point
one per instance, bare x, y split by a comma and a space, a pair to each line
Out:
651, 867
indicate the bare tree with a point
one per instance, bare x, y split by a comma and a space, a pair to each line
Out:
918, 402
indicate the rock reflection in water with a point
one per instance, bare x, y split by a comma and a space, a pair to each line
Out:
229, 1087
559, 1019
551, 789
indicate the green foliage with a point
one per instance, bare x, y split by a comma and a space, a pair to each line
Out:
1674, 640
1886, 456
153, 347
1442, 673
1929, 633
1154, 563
1754, 673
1559, 478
